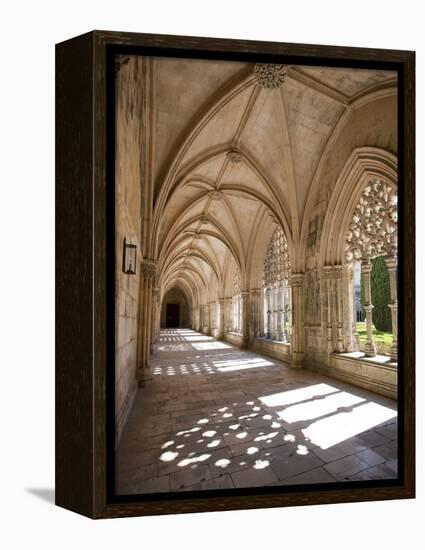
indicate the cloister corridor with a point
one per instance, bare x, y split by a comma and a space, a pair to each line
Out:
213, 416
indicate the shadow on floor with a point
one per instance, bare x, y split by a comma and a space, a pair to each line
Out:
44, 493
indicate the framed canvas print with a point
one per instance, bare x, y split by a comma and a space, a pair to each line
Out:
235, 274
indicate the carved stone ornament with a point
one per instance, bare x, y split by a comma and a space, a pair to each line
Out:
373, 228
270, 75
234, 156
204, 220
215, 195
149, 268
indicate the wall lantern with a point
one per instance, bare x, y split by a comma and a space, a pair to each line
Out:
129, 258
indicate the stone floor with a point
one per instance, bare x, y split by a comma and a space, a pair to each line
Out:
216, 417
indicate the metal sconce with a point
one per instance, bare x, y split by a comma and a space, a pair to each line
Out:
129, 258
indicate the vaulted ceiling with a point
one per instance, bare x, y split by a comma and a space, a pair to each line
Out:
228, 153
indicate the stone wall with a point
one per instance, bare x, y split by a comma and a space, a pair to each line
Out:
278, 350
367, 374
128, 226
233, 338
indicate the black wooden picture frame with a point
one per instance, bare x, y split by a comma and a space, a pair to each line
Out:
85, 265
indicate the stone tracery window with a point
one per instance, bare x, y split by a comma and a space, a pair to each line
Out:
237, 304
277, 298
373, 232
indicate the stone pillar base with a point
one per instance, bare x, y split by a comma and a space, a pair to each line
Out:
394, 352
297, 360
370, 349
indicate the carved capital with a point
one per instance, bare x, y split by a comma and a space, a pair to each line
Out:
270, 75
327, 272
149, 268
296, 280
366, 268
337, 271
391, 263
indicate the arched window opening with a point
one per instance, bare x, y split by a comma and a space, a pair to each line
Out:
371, 246
276, 292
237, 304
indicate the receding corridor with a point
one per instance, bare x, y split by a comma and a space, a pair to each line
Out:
215, 417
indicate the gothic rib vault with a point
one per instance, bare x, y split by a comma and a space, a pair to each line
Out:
214, 157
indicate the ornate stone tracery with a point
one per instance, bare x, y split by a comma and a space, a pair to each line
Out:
373, 228
270, 75
277, 266
277, 271
237, 303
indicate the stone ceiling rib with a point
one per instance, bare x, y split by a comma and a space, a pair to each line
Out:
299, 75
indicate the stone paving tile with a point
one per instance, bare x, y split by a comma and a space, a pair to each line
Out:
186, 425
131, 476
331, 454
254, 478
223, 462
317, 475
389, 431
294, 464
237, 437
248, 448
153, 485
343, 468
381, 471
186, 478
221, 482
352, 445
370, 457
372, 438
388, 450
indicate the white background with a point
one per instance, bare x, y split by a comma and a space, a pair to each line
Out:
29, 31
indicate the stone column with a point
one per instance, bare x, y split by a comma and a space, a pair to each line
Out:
244, 318
327, 272
391, 263
283, 306
148, 271
348, 309
261, 312
370, 348
280, 321
275, 315
269, 313
297, 349
221, 328
256, 312
289, 314
154, 319
227, 314
338, 307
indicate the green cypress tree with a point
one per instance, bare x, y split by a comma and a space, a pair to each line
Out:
381, 297
380, 294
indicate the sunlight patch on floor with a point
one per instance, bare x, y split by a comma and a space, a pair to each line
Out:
321, 407
337, 428
295, 396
